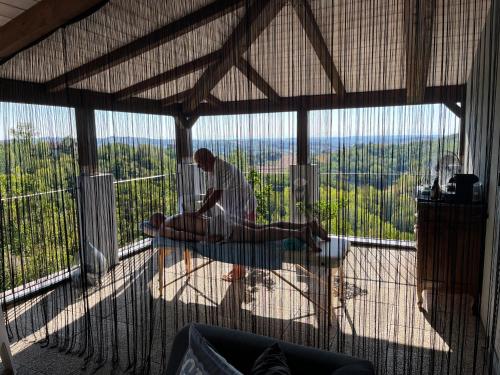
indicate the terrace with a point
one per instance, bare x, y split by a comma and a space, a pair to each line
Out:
380, 320
102, 106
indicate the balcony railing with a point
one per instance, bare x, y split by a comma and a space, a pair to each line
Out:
138, 198
39, 236
40, 230
39, 250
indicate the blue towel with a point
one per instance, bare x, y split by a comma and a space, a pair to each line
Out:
263, 255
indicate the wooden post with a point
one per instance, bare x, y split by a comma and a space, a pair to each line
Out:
86, 140
5, 352
463, 129
304, 178
183, 141
190, 180
302, 137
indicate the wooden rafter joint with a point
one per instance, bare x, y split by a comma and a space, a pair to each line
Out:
258, 16
176, 98
456, 109
419, 23
187, 122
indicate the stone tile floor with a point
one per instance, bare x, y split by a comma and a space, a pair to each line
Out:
129, 321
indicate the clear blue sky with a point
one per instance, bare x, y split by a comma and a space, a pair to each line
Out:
409, 120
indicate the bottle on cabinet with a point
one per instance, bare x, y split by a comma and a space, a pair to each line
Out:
435, 190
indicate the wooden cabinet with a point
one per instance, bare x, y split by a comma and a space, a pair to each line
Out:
449, 247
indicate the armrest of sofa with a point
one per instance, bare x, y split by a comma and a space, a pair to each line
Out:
241, 349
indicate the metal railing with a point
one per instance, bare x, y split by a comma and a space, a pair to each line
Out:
138, 198
39, 236
38, 249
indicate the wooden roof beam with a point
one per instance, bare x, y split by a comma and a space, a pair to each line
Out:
146, 43
419, 22
259, 15
39, 21
35, 93
368, 99
313, 32
15, 91
168, 76
259, 82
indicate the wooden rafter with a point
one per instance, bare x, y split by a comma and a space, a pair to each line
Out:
39, 21
259, 15
419, 21
168, 76
146, 43
254, 77
313, 32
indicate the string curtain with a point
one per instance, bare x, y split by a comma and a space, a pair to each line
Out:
370, 160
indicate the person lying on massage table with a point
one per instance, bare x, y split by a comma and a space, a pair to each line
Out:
190, 226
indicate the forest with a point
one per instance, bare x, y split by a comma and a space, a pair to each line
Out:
366, 190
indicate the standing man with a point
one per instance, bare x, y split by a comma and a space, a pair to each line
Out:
228, 187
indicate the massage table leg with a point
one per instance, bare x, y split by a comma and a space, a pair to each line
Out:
161, 267
188, 262
340, 292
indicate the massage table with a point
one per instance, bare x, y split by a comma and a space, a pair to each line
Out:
269, 255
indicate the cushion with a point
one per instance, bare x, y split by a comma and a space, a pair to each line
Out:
201, 358
355, 368
271, 362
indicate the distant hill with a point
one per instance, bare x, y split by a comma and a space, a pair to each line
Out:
318, 144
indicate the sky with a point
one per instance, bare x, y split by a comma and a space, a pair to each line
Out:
385, 121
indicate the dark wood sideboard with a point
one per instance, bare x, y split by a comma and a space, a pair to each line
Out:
450, 248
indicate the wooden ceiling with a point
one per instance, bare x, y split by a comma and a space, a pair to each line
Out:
199, 57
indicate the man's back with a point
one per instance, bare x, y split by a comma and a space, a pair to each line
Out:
238, 197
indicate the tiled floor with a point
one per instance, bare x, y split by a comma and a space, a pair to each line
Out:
379, 321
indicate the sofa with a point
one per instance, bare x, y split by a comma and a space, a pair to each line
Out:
241, 349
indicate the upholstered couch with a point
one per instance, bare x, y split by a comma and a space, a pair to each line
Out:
241, 349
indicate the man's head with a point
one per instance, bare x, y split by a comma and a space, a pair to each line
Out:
156, 220
205, 159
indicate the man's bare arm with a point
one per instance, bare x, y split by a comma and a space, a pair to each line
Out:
207, 194
212, 199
